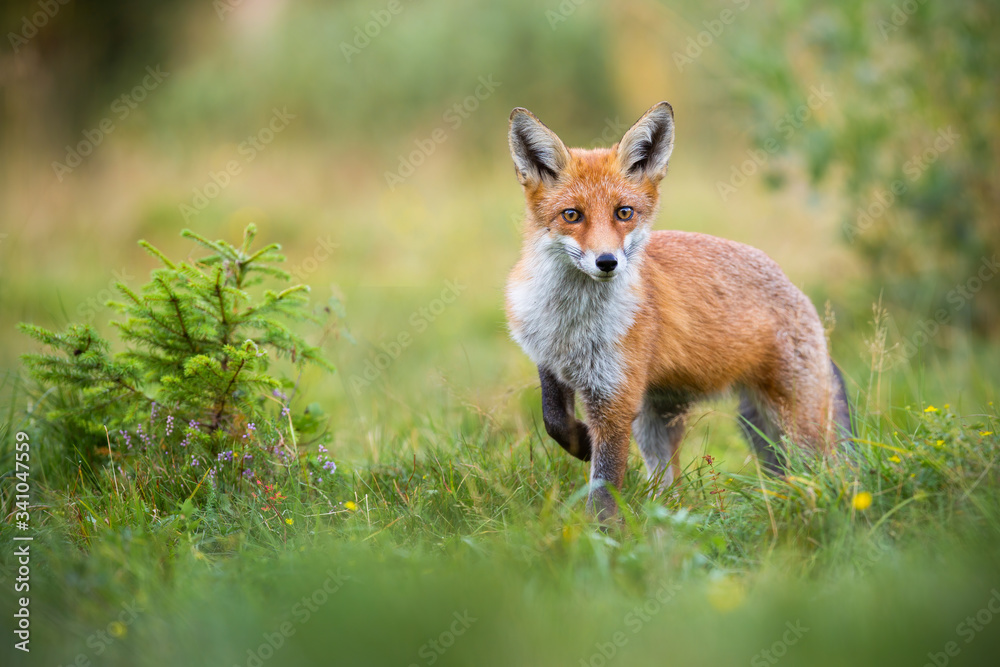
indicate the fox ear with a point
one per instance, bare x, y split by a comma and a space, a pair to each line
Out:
539, 155
645, 149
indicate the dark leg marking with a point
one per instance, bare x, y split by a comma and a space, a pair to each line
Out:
559, 414
755, 427
842, 410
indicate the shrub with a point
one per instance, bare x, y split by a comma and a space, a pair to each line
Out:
197, 353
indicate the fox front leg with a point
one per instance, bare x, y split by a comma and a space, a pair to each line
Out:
610, 422
607, 468
559, 414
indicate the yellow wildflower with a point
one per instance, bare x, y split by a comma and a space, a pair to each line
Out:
350, 505
894, 458
289, 521
985, 433
930, 408
862, 501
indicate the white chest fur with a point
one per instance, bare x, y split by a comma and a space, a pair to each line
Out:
572, 325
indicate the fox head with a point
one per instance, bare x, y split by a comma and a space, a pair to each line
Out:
593, 208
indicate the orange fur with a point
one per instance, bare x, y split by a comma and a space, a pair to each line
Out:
699, 315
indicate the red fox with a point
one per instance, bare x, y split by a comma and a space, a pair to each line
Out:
641, 324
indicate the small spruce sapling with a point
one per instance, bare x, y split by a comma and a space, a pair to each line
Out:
195, 341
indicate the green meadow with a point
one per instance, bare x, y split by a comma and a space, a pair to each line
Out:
398, 502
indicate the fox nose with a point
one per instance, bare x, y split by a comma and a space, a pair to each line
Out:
607, 262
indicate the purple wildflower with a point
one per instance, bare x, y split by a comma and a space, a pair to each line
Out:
147, 441
192, 426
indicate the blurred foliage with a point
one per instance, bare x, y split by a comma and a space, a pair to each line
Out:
365, 83
351, 72
352, 86
65, 59
911, 135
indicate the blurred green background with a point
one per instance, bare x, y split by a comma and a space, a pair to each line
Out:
806, 130
856, 143
795, 122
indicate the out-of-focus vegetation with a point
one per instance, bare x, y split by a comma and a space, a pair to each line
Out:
912, 138
369, 139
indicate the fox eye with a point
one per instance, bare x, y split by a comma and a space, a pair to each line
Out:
571, 215
625, 213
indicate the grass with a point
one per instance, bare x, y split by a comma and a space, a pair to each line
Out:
461, 504
474, 549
